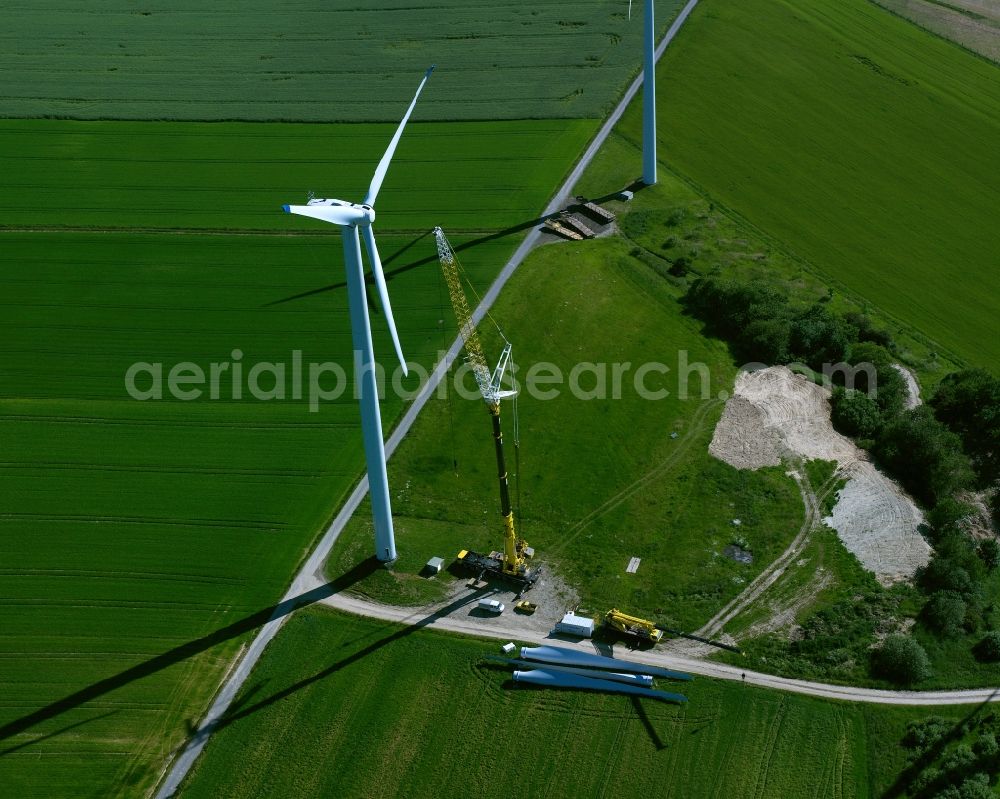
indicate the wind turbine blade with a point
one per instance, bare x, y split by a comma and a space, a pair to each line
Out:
383, 165
630, 9
383, 291
335, 214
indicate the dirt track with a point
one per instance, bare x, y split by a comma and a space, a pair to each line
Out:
509, 627
715, 626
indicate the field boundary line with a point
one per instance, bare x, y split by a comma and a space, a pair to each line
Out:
311, 572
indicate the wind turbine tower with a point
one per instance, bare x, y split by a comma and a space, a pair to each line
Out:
649, 98
355, 222
648, 94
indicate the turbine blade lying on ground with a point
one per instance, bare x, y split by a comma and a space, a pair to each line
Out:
551, 679
383, 291
383, 165
643, 680
573, 657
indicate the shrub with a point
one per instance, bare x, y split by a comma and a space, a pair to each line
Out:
989, 553
986, 746
945, 613
729, 307
890, 391
961, 551
680, 267
976, 787
988, 649
868, 352
766, 341
921, 735
867, 331
901, 660
931, 775
855, 413
676, 217
947, 514
945, 574
924, 455
958, 759
969, 403
819, 337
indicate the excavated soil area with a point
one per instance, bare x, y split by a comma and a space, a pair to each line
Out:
775, 415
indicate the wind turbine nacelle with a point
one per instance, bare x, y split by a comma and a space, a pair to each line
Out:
356, 214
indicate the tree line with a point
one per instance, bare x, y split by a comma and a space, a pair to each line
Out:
936, 451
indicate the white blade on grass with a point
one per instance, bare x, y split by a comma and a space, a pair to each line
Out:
383, 165
383, 291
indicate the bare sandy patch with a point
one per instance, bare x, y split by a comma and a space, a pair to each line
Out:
912, 386
775, 414
979, 524
875, 517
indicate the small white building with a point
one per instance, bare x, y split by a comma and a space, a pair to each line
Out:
571, 624
434, 565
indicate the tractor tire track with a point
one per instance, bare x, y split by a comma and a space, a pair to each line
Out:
685, 444
813, 518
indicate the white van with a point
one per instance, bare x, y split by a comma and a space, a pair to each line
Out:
492, 605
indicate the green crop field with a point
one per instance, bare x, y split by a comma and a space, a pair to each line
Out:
110, 59
854, 139
142, 542
672, 220
601, 479
351, 707
137, 535
467, 175
970, 23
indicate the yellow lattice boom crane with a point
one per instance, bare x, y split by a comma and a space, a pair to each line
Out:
512, 562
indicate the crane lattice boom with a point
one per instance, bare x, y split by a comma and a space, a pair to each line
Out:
489, 385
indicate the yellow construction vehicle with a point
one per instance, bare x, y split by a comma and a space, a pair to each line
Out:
633, 626
512, 563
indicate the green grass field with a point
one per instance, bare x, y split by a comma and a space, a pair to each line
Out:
601, 479
115, 60
379, 710
854, 139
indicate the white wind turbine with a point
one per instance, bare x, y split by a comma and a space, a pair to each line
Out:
355, 221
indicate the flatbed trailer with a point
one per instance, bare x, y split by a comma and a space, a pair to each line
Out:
556, 226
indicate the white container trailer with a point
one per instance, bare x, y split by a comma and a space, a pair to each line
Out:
571, 624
